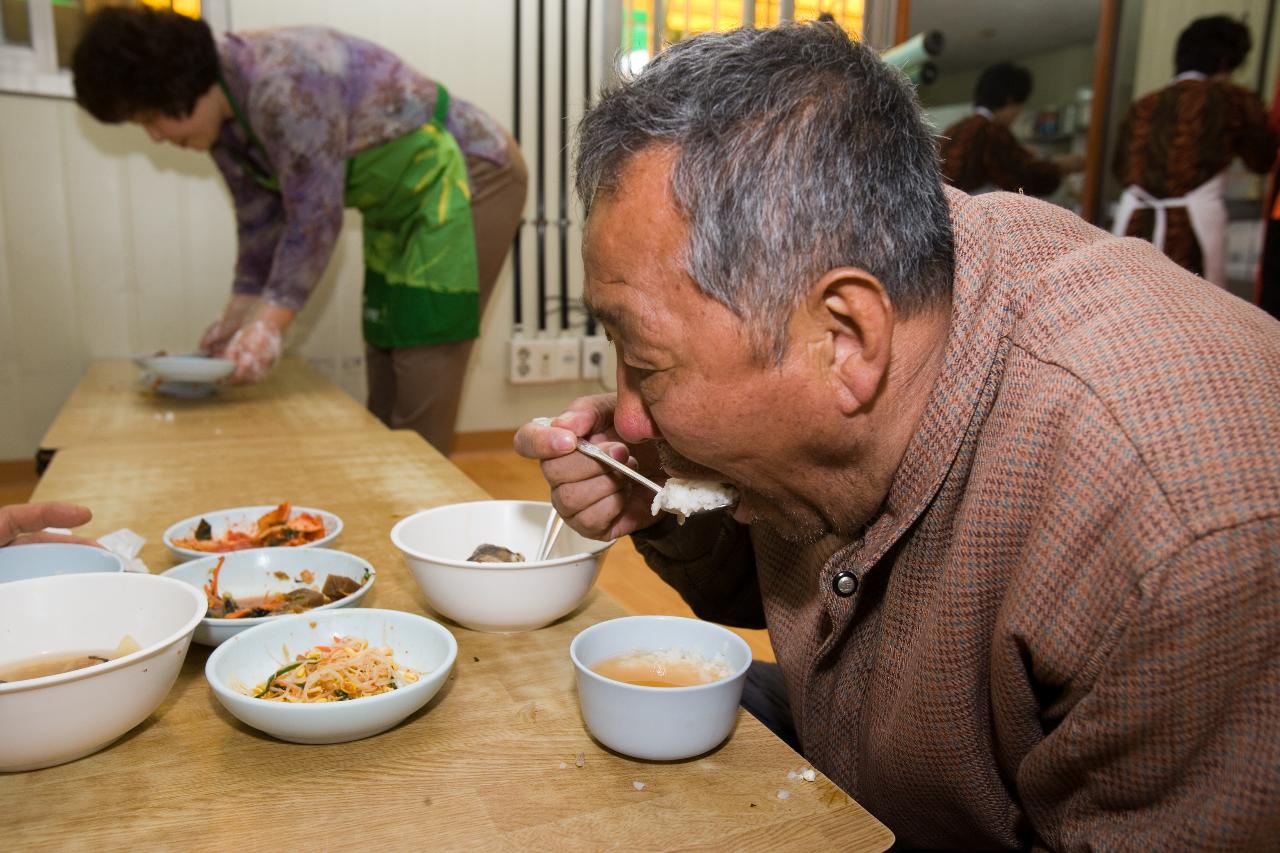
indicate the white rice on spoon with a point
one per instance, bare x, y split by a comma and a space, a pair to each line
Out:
683, 498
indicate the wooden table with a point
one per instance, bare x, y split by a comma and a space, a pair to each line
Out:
490, 764
111, 404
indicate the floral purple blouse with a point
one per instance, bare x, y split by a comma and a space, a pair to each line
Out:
315, 97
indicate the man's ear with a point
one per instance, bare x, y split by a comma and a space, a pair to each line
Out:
854, 309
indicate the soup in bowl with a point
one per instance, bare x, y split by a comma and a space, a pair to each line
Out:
85, 658
660, 688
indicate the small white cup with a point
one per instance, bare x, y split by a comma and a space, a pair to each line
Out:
658, 723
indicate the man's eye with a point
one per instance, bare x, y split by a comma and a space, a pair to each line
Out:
640, 374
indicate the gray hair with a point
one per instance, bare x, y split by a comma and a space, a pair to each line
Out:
798, 151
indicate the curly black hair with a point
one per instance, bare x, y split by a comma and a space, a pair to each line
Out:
134, 60
1212, 45
1001, 85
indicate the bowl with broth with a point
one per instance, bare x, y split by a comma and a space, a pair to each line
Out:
85, 658
661, 688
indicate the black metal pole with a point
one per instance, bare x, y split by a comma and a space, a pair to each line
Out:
564, 165
586, 55
540, 170
586, 100
517, 298
1266, 46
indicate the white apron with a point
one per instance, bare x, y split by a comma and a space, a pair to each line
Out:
1206, 210
987, 187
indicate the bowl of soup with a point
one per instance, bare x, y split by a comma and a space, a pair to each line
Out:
85, 658
661, 688
43, 559
474, 563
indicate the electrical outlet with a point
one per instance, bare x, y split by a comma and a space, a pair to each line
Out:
594, 349
567, 355
521, 361
534, 360
544, 361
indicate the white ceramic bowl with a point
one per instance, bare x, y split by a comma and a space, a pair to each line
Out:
250, 657
42, 559
59, 718
186, 368
497, 597
251, 573
243, 518
659, 723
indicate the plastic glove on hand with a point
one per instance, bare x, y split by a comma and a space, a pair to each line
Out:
237, 313
255, 349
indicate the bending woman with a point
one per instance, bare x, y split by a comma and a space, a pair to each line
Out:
301, 123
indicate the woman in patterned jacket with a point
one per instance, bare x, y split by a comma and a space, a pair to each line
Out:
980, 153
1175, 146
301, 123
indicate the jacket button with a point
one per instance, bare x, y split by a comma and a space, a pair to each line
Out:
845, 584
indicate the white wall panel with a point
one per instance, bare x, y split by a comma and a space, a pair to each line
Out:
9, 405
98, 229
37, 246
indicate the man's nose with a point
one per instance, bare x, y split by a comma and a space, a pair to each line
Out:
631, 418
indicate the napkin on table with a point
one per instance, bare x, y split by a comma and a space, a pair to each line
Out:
124, 543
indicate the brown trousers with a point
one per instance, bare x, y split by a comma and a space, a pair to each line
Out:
419, 388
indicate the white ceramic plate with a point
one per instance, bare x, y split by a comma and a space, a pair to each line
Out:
250, 657
243, 518
249, 574
186, 368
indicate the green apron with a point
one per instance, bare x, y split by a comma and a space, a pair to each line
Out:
421, 284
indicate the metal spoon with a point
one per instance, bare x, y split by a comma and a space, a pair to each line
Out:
587, 448
621, 467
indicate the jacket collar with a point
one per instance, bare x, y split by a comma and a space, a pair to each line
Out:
982, 312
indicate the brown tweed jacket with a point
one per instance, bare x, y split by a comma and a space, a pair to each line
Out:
1066, 632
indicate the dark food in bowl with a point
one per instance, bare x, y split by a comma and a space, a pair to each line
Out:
495, 554
222, 605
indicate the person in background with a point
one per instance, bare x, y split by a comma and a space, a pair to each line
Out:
1267, 293
980, 153
302, 122
1010, 490
1175, 145
23, 524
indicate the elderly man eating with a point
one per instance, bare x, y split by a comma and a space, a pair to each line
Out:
1010, 490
